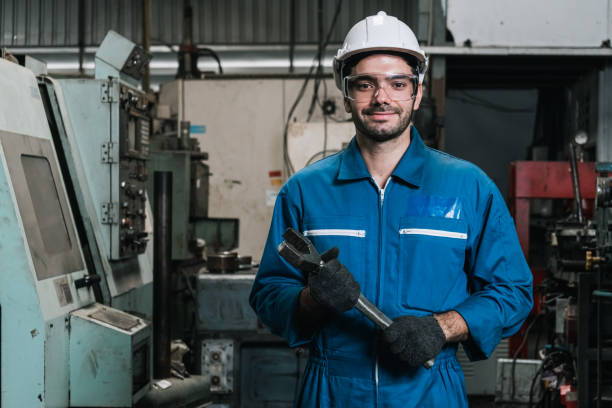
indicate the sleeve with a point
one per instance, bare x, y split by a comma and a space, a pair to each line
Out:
275, 291
501, 283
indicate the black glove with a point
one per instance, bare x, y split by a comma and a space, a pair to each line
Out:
414, 340
332, 285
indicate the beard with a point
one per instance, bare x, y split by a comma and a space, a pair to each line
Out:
381, 132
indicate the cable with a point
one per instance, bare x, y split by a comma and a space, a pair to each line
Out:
317, 82
167, 44
287, 160
202, 51
207, 52
323, 153
324, 133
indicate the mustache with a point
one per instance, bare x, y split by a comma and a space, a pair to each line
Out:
378, 109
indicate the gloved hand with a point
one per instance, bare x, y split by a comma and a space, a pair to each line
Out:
329, 282
332, 285
414, 340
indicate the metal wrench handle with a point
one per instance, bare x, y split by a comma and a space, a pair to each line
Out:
379, 318
372, 312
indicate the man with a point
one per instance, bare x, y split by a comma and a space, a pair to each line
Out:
424, 236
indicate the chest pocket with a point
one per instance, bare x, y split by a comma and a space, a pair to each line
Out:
430, 262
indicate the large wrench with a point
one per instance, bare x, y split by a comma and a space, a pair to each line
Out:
305, 257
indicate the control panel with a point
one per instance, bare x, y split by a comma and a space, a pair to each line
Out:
134, 132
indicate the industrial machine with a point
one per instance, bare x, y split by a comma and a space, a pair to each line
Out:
243, 364
103, 129
569, 327
77, 303
105, 134
58, 347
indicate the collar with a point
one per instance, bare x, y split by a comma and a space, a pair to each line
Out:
409, 169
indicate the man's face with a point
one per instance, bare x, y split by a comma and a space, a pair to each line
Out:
382, 118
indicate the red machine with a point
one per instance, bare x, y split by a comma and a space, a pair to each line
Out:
548, 180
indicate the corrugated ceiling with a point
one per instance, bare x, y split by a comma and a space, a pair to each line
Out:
43, 23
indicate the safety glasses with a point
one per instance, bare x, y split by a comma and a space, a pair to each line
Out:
397, 86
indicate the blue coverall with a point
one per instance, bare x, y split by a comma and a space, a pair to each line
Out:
439, 238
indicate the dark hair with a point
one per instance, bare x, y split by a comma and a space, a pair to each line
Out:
353, 60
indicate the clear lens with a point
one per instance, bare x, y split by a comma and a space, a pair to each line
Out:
397, 86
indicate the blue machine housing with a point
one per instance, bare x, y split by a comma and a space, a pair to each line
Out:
39, 251
51, 331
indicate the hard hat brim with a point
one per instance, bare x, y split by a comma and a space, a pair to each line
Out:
349, 54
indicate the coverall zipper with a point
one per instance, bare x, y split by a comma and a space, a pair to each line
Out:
381, 202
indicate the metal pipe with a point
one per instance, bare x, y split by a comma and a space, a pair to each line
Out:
576, 182
430, 20
599, 335
291, 35
81, 28
146, 41
573, 264
162, 255
602, 294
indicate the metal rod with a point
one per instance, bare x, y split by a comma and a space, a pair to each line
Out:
573, 264
379, 318
576, 182
585, 284
292, 36
601, 293
599, 321
146, 41
162, 255
81, 28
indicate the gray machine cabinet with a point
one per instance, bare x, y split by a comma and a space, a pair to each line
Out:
223, 302
246, 365
480, 375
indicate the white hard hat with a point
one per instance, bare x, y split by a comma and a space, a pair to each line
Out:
379, 32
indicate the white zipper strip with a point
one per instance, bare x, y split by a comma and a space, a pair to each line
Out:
433, 233
339, 232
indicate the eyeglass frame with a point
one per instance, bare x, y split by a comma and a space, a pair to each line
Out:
414, 79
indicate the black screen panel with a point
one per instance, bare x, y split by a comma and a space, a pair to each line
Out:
45, 200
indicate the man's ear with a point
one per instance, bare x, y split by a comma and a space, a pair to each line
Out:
419, 96
347, 105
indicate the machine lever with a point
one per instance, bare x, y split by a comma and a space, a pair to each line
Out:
301, 254
87, 281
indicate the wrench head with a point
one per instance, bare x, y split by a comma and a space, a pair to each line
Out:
299, 252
